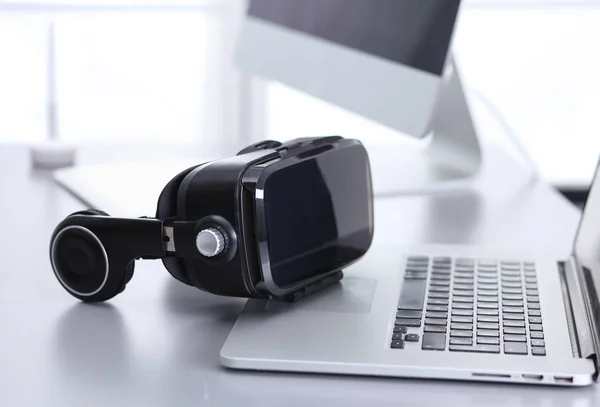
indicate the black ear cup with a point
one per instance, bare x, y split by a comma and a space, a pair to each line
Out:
81, 263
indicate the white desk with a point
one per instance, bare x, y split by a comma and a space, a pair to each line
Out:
158, 343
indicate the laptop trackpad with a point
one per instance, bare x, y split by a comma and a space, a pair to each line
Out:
351, 295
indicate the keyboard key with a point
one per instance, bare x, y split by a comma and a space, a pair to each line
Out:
534, 293
485, 288
488, 325
483, 332
412, 295
515, 348
462, 293
510, 273
486, 318
462, 327
417, 258
535, 320
487, 305
416, 267
514, 330
476, 348
511, 303
438, 289
468, 300
461, 334
534, 313
435, 322
397, 344
511, 279
437, 308
463, 280
437, 301
538, 342
397, 337
411, 338
442, 315
512, 297
538, 351
440, 276
408, 314
530, 280
487, 262
531, 287
487, 299
487, 312
464, 312
433, 341
515, 338
535, 327
514, 324
440, 283
462, 320
463, 287
442, 259
512, 290
435, 328
415, 276
513, 310
488, 341
439, 295
399, 329
462, 306
461, 341
533, 299
487, 284
408, 322
514, 317
533, 305
536, 335
487, 293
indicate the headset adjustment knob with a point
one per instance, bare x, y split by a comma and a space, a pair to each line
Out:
210, 242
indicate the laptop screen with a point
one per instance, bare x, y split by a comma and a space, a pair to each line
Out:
411, 32
587, 244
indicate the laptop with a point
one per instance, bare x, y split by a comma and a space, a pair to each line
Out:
441, 312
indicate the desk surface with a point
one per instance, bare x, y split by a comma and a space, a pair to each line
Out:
158, 343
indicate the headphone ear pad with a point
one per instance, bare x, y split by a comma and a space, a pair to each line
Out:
65, 272
167, 208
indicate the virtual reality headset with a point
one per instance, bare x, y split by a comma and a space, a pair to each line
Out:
275, 221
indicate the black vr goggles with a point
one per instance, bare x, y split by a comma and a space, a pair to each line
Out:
275, 221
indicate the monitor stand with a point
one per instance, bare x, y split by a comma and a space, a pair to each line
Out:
448, 158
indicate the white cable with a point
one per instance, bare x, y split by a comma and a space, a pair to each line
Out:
508, 129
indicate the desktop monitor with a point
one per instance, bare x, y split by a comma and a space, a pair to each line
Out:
386, 60
382, 59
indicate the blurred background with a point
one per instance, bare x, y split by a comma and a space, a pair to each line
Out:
129, 73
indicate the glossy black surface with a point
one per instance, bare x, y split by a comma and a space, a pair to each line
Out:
318, 214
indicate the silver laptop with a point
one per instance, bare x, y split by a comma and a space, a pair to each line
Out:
441, 312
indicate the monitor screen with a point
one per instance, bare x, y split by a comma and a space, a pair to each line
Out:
416, 33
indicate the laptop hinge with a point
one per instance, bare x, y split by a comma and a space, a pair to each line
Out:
580, 306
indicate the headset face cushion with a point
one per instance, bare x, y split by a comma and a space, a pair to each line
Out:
167, 208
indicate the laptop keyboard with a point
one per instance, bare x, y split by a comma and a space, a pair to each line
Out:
469, 305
